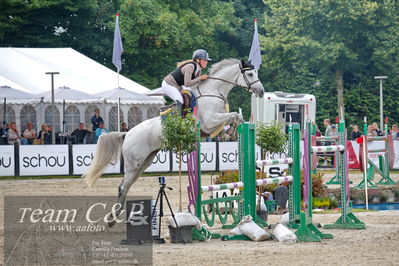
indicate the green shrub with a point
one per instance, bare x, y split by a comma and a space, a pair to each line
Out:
395, 190
229, 176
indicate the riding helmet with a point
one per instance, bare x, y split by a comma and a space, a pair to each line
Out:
201, 54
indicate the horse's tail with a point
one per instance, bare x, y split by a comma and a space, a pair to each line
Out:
108, 151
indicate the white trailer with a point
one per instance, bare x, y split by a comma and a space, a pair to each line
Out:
284, 107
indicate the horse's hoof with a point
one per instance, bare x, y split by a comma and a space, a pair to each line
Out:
112, 223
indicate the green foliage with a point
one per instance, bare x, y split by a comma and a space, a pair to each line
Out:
322, 203
179, 134
270, 137
307, 46
329, 48
229, 176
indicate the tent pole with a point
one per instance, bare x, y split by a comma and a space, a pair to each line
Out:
119, 111
4, 113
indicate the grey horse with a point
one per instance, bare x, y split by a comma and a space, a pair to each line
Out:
141, 144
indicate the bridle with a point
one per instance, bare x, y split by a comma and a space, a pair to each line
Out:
242, 70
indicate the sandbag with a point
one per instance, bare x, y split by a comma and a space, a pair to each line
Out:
283, 234
185, 219
235, 231
261, 206
252, 230
285, 219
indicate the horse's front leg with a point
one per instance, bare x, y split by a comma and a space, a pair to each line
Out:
218, 119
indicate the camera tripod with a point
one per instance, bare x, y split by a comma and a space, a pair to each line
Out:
161, 195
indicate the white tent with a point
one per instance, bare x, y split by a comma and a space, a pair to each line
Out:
14, 94
113, 96
27, 67
69, 95
79, 79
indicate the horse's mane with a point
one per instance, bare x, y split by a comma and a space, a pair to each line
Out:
218, 66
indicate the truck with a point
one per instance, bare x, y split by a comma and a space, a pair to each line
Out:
284, 108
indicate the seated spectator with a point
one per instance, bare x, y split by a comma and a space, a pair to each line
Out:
13, 135
355, 132
45, 134
370, 131
124, 127
29, 133
39, 136
80, 133
377, 131
101, 130
4, 129
394, 132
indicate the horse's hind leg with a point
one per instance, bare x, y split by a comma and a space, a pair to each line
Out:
131, 175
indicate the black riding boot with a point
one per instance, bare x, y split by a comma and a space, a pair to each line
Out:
179, 107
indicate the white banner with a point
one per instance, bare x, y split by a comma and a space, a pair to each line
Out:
161, 163
82, 155
208, 158
7, 162
43, 160
228, 159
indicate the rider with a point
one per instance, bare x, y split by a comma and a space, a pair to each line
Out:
187, 74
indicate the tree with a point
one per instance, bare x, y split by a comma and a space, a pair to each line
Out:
328, 40
179, 136
82, 25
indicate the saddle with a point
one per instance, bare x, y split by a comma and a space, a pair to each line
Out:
188, 104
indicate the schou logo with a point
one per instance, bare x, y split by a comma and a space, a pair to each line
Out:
84, 160
43, 161
5, 162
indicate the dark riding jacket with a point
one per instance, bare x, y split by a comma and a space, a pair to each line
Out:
187, 75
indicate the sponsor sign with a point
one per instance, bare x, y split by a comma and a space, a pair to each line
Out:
228, 159
43, 160
208, 158
82, 155
7, 162
161, 162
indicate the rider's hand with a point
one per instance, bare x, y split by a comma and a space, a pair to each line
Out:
203, 77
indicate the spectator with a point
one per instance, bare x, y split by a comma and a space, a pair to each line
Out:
370, 131
101, 130
4, 129
39, 136
80, 133
355, 132
124, 127
45, 135
13, 135
327, 134
318, 132
96, 119
376, 130
29, 133
328, 127
333, 131
394, 132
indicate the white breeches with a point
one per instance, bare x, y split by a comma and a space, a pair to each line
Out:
173, 92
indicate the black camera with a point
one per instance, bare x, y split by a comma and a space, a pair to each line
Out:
161, 180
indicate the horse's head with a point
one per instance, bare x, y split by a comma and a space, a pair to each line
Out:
249, 79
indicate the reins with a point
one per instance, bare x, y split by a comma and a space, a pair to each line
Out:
220, 96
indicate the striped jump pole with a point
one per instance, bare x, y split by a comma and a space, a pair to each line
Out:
274, 162
259, 182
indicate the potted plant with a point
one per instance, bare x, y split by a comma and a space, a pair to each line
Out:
358, 196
